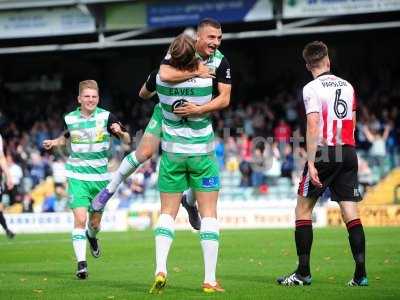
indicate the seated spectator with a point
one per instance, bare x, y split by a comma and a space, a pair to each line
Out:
220, 152
287, 166
17, 175
49, 203
246, 172
258, 167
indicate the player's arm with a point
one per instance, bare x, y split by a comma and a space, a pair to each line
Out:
116, 129
354, 109
61, 141
312, 145
312, 106
171, 75
148, 89
223, 77
312, 136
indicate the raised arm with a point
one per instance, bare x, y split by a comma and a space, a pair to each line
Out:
115, 127
148, 89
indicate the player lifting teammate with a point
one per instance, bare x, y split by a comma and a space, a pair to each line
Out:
213, 64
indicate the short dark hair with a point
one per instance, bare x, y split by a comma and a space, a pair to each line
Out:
314, 52
183, 53
208, 22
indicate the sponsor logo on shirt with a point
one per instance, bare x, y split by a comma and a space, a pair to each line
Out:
228, 73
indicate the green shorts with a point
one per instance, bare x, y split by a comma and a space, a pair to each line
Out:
154, 125
179, 172
82, 192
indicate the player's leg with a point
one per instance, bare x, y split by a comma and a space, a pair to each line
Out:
345, 191
3, 222
164, 235
356, 240
303, 235
189, 203
92, 231
204, 179
79, 241
79, 203
209, 239
172, 182
148, 145
94, 226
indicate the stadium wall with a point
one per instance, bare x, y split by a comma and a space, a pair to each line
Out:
231, 216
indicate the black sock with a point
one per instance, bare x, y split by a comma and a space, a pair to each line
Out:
357, 244
82, 264
3, 221
304, 237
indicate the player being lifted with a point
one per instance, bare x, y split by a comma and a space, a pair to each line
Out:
331, 163
187, 160
213, 64
89, 129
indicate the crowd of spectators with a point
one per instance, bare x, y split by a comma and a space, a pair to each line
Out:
254, 138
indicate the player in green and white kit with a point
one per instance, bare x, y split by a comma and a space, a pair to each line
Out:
214, 64
89, 129
188, 160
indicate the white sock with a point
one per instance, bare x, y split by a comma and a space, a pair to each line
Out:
190, 197
128, 165
164, 233
79, 243
92, 232
209, 239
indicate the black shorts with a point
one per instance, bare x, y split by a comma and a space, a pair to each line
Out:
337, 168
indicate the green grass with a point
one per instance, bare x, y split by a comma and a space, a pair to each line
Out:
43, 266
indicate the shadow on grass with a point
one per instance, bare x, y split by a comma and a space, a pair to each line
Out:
266, 279
59, 274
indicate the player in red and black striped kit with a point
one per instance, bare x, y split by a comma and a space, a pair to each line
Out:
330, 105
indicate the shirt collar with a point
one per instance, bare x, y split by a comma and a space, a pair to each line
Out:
325, 73
92, 115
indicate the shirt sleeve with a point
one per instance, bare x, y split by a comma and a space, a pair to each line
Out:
223, 72
111, 120
151, 81
166, 59
66, 132
311, 102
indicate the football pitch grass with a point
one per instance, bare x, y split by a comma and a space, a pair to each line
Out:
42, 266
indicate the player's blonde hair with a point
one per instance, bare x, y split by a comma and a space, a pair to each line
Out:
88, 84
